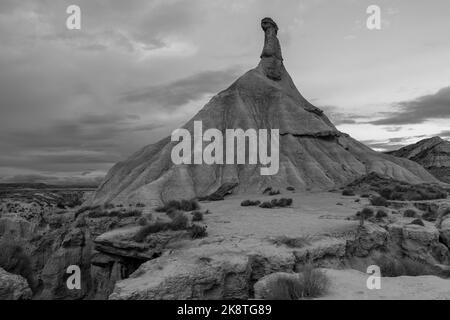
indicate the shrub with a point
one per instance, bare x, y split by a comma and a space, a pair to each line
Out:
386, 193
267, 190
410, 213
266, 205
198, 231
140, 205
314, 282
290, 189
365, 213
183, 205
381, 214
249, 203
283, 203
348, 192
142, 221
430, 216
292, 242
60, 205
129, 213
179, 222
418, 222
396, 267
107, 206
150, 229
98, 213
197, 216
311, 283
379, 202
274, 192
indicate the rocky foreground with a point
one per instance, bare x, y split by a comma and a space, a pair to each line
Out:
243, 245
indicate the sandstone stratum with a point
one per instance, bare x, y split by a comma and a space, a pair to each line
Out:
433, 154
314, 155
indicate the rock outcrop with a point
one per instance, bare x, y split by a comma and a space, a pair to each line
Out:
313, 153
13, 287
433, 154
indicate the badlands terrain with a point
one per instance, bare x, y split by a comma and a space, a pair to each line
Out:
156, 230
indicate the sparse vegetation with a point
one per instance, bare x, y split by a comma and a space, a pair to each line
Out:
198, 231
310, 283
266, 205
410, 213
430, 216
292, 242
396, 267
250, 203
183, 205
267, 190
142, 221
381, 214
418, 222
274, 192
280, 203
365, 213
348, 192
392, 189
179, 222
379, 202
101, 213
197, 216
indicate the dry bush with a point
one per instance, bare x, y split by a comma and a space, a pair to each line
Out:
410, 213
197, 216
397, 267
250, 203
310, 283
418, 222
299, 242
381, 214
183, 205
379, 202
348, 193
198, 231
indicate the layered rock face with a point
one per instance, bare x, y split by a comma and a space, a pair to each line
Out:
433, 154
313, 153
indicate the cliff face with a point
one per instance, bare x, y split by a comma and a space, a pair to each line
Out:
313, 153
433, 154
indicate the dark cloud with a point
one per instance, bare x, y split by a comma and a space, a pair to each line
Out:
444, 134
435, 106
339, 118
185, 90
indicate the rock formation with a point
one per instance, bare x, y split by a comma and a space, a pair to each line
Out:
313, 153
13, 287
433, 154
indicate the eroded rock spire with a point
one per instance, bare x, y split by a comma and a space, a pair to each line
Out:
271, 57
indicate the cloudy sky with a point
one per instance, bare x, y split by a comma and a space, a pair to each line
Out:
72, 103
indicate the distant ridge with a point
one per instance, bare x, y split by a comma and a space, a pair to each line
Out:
433, 154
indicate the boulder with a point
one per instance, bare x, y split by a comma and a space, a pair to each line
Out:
369, 237
13, 287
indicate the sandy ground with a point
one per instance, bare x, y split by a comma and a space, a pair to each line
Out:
311, 214
351, 285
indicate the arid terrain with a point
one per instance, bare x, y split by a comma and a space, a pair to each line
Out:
155, 230
241, 246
